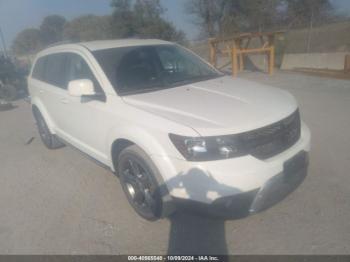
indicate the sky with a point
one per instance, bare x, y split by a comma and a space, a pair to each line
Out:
16, 15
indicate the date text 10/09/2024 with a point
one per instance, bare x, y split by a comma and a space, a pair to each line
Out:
174, 258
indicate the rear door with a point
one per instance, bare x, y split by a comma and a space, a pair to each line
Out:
54, 89
36, 83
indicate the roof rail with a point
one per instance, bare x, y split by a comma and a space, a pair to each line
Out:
60, 43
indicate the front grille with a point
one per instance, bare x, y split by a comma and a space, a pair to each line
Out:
273, 139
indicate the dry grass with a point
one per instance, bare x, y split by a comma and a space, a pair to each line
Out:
328, 38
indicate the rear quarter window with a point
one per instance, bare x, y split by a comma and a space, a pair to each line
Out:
39, 69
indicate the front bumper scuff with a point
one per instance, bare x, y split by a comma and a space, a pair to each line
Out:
251, 202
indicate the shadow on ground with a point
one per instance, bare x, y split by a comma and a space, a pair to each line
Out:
194, 234
193, 230
7, 107
199, 228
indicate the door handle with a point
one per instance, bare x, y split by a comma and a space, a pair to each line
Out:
41, 91
64, 101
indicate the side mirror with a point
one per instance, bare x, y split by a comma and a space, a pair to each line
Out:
81, 87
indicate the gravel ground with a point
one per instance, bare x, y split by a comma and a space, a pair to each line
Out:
59, 202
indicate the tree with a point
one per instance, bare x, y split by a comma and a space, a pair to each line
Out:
88, 28
301, 13
27, 42
148, 22
143, 19
224, 17
148, 10
122, 19
51, 29
260, 15
129, 19
208, 15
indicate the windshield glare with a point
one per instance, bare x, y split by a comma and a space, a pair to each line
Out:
147, 68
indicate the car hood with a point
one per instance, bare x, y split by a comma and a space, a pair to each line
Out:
219, 106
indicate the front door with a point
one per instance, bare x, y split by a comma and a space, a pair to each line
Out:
84, 122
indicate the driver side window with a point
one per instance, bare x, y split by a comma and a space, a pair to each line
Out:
77, 68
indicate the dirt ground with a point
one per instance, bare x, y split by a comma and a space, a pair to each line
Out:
59, 202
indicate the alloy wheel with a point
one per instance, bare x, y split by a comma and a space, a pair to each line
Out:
138, 185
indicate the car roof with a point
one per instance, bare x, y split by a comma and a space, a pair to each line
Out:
104, 44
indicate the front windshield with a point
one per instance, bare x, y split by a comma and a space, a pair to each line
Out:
140, 69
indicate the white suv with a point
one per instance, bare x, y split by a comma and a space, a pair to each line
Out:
174, 129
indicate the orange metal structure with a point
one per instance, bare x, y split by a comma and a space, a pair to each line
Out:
238, 46
347, 64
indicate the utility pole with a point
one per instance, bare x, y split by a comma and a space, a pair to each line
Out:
310, 30
3, 42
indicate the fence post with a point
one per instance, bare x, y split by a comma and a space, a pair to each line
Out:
212, 52
234, 61
241, 62
238, 44
271, 60
347, 64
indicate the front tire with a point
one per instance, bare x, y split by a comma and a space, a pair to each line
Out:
49, 140
138, 179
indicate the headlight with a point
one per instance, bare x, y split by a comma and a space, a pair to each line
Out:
207, 148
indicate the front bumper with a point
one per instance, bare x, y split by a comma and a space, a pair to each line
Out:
243, 204
230, 183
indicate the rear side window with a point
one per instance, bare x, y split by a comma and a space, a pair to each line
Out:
39, 69
55, 67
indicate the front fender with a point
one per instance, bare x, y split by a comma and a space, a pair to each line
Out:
139, 136
153, 143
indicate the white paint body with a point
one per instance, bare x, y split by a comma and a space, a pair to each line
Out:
220, 106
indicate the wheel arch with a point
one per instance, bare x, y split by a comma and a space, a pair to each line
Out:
168, 206
37, 105
117, 147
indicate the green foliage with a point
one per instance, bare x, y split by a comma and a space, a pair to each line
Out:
122, 19
27, 41
143, 19
32, 40
51, 29
208, 15
259, 15
88, 28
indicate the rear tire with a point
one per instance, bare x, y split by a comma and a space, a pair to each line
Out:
138, 179
49, 140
